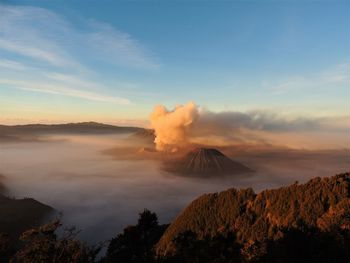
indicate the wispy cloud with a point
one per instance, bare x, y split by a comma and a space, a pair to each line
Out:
41, 46
61, 90
76, 81
337, 76
12, 65
33, 52
26, 31
118, 47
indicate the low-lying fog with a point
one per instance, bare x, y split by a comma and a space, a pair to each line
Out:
102, 193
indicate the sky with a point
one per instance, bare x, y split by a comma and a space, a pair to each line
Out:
112, 61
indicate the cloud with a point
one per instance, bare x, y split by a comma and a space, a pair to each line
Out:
13, 65
62, 90
337, 76
75, 81
39, 48
118, 47
26, 31
33, 52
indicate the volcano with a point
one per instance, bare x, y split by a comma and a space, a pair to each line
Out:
206, 162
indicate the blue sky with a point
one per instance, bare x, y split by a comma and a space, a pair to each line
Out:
112, 61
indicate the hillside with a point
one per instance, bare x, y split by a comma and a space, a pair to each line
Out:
321, 203
17, 215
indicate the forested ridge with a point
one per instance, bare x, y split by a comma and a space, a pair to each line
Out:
321, 203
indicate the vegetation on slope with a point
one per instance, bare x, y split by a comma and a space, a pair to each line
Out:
42, 245
136, 243
323, 204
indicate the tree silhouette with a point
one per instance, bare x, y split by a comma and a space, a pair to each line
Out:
5, 247
135, 244
41, 245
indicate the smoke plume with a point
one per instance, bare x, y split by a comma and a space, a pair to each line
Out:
171, 127
191, 124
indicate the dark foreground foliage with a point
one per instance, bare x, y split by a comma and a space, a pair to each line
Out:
41, 245
136, 245
304, 245
307, 223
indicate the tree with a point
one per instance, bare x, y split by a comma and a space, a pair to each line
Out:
41, 245
135, 244
5, 247
221, 248
308, 245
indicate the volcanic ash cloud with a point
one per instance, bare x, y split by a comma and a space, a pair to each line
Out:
171, 127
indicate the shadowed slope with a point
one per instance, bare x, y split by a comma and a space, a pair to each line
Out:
17, 215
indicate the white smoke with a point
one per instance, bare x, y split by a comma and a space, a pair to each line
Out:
171, 127
188, 124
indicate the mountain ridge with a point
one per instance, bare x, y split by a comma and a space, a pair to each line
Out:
322, 203
65, 126
33, 132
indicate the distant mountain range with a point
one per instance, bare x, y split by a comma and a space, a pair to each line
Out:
82, 127
33, 132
